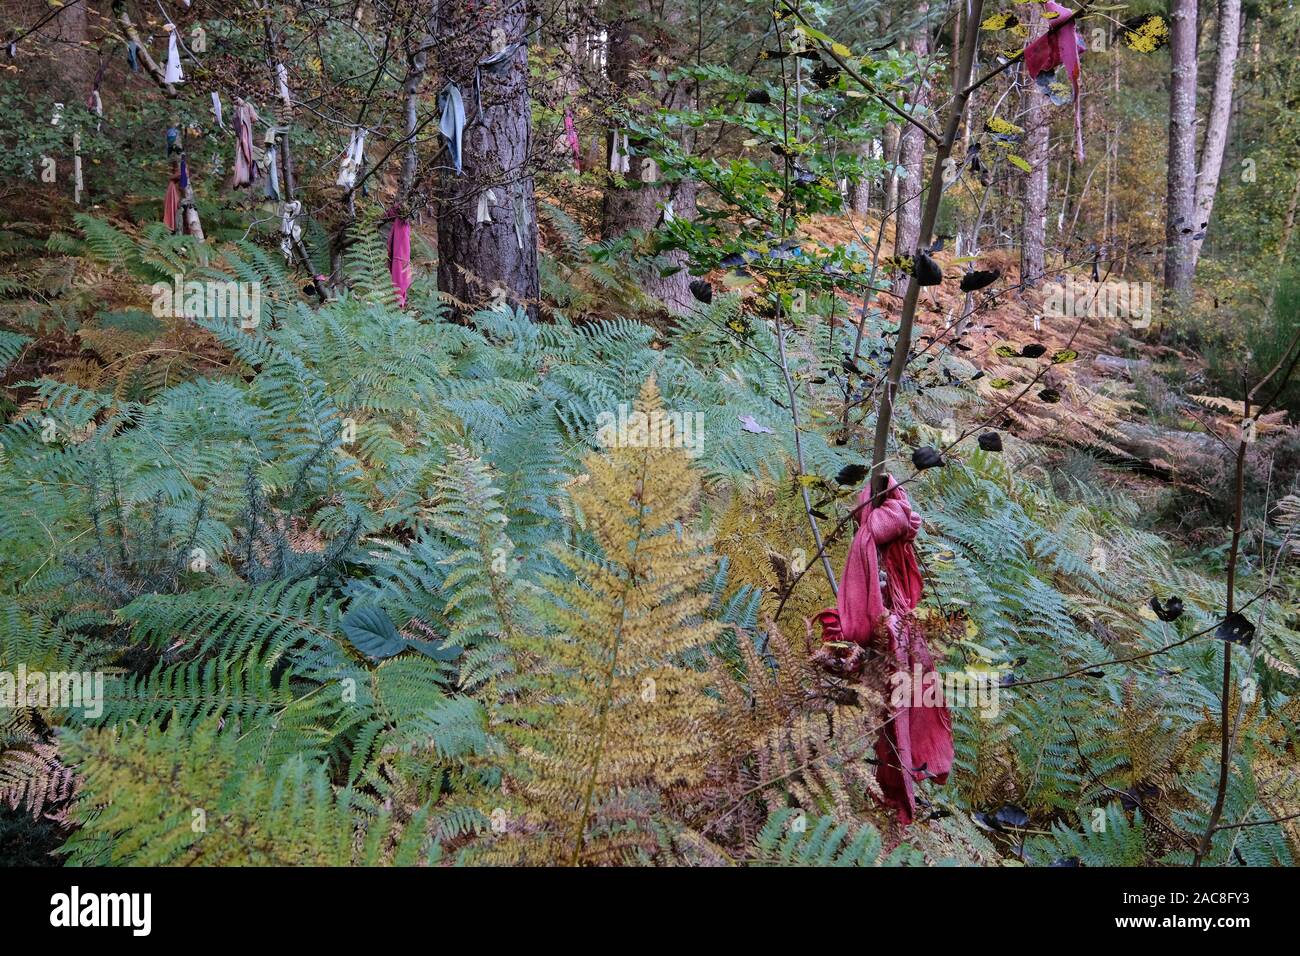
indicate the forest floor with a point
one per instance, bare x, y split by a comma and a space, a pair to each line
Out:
1115, 385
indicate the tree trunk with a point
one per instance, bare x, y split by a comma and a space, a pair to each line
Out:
1217, 125
1180, 205
73, 62
891, 178
481, 262
1284, 244
860, 189
638, 204
911, 152
417, 62
1033, 256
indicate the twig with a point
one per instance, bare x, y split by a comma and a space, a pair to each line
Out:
879, 480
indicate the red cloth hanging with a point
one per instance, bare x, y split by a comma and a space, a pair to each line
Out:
1061, 44
399, 255
571, 133
916, 742
172, 201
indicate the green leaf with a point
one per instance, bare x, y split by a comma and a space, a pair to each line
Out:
431, 650
371, 631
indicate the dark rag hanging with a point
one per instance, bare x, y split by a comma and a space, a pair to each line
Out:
1061, 44
916, 742
492, 63
452, 122
270, 165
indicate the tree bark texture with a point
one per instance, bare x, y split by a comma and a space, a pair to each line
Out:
911, 152
860, 189
1033, 255
636, 204
1219, 120
480, 263
1180, 211
891, 178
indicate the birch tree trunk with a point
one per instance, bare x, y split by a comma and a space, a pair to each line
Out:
888, 185
477, 262
1219, 120
1033, 256
891, 178
1180, 204
860, 189
417, 63
911, 152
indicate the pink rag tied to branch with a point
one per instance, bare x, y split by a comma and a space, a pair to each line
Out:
399, 255
571, 134
172, 200
1060, 45
916, 741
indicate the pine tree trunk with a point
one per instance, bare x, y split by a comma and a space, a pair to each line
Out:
638, 204
74, 62
1033, 256
1180, 204
1217, 125
477, 262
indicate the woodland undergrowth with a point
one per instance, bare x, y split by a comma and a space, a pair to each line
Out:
365, 587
